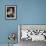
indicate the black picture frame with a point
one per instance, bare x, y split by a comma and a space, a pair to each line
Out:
12, 15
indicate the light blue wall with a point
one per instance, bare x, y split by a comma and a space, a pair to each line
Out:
28, 12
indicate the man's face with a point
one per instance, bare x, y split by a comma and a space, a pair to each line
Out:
10, 12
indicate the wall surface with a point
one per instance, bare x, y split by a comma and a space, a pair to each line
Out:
28, 12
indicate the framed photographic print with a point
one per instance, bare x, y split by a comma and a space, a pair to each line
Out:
10, 12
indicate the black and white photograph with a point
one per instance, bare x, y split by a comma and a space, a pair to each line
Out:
10, 12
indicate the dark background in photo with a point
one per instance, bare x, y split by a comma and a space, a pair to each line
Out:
10, 11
